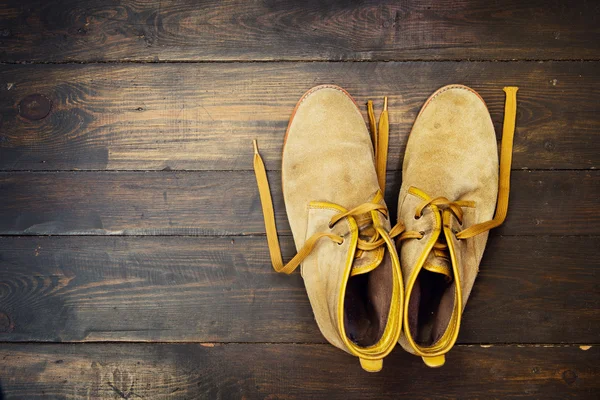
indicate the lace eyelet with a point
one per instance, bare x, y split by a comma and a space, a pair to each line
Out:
417, 218
422, 233
341, 243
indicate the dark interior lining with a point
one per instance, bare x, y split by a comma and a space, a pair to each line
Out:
430, 307
367, 304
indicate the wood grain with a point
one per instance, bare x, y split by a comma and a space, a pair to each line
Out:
129, 211
157, 30
204, 116
227, 203
245, 371
529, 290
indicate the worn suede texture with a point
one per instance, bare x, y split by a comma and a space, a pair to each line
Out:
451, 152
328, 157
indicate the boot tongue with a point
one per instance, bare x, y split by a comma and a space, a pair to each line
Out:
438, 259
366, 260
438, 264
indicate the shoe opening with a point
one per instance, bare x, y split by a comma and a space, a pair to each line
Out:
430, 307
367, 304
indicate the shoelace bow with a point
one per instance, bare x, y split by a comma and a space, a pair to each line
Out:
380, 139
455, 207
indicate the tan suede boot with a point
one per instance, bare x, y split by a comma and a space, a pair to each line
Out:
447, 200
340, 223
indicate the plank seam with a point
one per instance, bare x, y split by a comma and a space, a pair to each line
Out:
291, 60
112, 342
48, 171
231, 236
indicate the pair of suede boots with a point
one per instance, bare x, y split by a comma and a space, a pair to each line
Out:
372, 285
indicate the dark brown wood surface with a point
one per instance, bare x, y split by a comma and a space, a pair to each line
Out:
133, 260
245, 371
204, 116
206, 289
227, 203
156, 30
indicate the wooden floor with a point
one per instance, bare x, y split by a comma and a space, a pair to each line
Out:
133, 261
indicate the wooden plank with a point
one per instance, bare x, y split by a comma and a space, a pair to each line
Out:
227, 203
291, 371
157, 30
204, 116
529, 290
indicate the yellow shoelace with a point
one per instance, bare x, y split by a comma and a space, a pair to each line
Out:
447, 208
380, 138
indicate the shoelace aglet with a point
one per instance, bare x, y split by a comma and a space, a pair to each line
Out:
385, 103
255, 144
